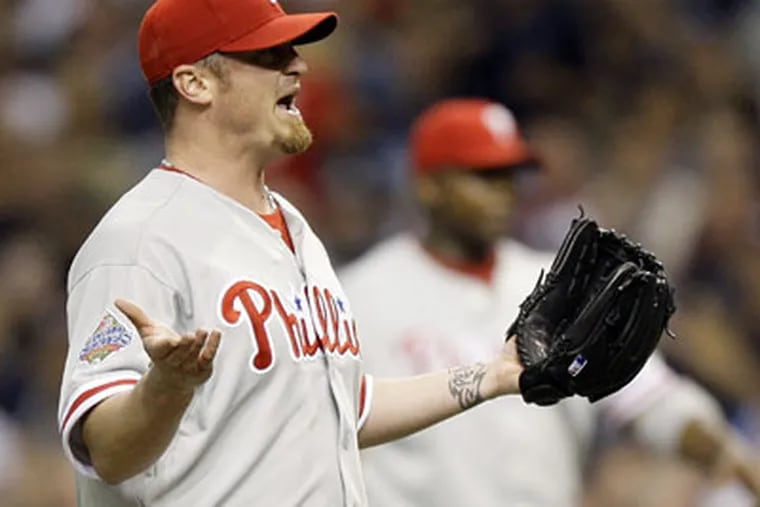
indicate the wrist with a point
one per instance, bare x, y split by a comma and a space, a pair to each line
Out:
502, 378
165, 385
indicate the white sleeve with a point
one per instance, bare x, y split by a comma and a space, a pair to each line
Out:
658, 404
105, 355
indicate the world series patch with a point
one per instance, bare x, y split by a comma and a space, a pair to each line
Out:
109, 337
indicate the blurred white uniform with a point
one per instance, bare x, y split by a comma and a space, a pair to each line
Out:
276, 423
418, 315
11, 458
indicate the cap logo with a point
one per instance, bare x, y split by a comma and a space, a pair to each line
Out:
500, 123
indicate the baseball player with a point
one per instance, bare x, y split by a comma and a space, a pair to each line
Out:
443, 289
213, 356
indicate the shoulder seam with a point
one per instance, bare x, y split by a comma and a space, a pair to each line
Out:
123, 265
138, 248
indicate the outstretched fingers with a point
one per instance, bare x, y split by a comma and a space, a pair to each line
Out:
181, 350
136, 315
210, 348
199, 340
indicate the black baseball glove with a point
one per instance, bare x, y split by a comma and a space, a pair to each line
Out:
592, 322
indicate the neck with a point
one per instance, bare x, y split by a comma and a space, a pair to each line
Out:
237, 173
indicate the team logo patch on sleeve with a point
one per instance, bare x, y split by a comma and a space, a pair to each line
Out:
109, 337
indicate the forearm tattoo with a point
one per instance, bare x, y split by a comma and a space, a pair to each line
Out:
464, 384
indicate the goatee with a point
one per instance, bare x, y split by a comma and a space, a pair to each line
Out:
298, 141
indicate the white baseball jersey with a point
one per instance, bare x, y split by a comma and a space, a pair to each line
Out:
276, 423
418, 315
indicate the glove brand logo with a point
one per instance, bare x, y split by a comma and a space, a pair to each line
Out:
577, 365
315, 321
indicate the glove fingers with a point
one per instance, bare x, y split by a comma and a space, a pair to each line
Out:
576, 255
554, 301
583, 346
617, 246
597, 312
613, 314
641, 334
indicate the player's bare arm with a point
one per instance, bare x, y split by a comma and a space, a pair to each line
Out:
404, 406
719, 451
127, 433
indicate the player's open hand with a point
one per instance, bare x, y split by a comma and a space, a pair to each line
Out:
182, 362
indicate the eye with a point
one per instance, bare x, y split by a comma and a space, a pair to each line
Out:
494, 175
276, 58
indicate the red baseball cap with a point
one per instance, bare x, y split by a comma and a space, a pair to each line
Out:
176, 32
467, 134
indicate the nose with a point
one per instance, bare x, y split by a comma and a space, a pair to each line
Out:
297, 66
500, 196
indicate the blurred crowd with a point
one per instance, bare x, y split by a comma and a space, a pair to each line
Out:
645, 112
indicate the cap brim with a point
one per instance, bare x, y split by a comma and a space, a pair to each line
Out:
292, 28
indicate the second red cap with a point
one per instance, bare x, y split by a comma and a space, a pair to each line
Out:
467, 134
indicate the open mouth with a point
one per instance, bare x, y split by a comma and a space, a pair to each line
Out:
287, 103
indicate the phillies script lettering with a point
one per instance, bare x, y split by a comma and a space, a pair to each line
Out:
318, 323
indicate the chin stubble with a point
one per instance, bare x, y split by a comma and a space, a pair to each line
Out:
298, 141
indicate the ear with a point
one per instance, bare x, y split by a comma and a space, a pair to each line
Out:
193, 84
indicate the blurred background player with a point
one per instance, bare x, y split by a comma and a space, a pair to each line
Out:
441, 288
